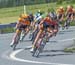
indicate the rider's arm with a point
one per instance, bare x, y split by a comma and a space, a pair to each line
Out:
41, 22
18, 23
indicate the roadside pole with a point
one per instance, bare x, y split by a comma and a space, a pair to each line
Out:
24, 9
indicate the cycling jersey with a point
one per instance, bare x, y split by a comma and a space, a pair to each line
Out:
54, 23
69, 10
47, 20
49, 23
24, 22
60, 11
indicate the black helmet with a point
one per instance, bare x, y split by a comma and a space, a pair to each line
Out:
53, 15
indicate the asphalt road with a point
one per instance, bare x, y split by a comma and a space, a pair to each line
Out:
53, 53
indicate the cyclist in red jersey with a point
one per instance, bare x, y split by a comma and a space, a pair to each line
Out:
47, 24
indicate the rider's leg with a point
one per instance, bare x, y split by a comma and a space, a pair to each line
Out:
50, 33
36, 39
14, 37
25, 32
55, 32
34, 32
39, 33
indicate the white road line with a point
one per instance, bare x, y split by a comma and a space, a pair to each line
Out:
13, 57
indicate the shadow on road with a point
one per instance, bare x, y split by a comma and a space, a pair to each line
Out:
56, 53
25, 41
52, 55
53, 51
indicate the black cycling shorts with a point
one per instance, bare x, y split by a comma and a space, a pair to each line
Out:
46, 25
69, 15
22, 27
60, 16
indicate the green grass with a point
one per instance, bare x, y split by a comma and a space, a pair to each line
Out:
10, 12
7, 30
9, 15
69, 50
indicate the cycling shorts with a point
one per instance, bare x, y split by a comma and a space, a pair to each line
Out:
69, 15
46, 25
60, 16
22, 27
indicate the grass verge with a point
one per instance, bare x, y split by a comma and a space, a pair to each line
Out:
11, 14
69, 50
7, 30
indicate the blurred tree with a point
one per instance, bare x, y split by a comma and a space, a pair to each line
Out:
59, 1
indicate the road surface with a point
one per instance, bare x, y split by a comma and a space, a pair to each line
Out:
53, 53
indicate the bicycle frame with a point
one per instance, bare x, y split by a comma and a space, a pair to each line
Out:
40, 45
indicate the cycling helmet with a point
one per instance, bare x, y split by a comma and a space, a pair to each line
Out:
30, 14
39, 11
24, 16
69, 6
61, 7
53, 15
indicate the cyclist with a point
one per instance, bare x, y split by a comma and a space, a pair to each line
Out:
22, 24
60, 15
44, 24
54, 22
69, 11
73, 14
27, 29
31, 19
69, 15
37, 18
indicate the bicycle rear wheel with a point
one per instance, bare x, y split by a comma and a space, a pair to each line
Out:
35, 52
38, 49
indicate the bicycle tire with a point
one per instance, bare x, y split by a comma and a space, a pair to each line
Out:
34, 51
